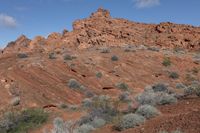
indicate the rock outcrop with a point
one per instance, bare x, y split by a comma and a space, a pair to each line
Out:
100, 29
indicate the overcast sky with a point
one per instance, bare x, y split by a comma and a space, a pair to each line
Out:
41, 17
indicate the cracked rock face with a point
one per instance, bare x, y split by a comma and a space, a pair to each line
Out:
100, 29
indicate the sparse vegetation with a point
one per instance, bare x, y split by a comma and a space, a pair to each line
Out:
122, 86
63, 106
124, 96
174, 75
85, 128
193, 89
52, 55
21, 122
159, 95
129, 48
180, 86
63, 127
147, 111
99, 74
87, 103
166, 61
89, 94
69, 57
160, 87
22, 55
98, 122
164, 98
129, 121
74, 84
105, 50
114, 58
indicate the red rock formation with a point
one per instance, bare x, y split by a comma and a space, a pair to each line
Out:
101, 29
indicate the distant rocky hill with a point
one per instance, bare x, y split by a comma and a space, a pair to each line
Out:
100, 29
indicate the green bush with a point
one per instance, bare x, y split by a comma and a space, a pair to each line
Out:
114, 58
147, 111
74, 84
99, 74
166, 61
129, 121
69, 57
173, 75
122, 86
21, 122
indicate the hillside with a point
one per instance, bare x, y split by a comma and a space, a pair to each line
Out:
100, 53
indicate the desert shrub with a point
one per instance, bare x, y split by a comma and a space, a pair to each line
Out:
166, 61
180, 86
155, 49
15, 101
129, 48
129, 121
104, 50
146, 98
73, 107
74, 84
87, 103
174, 75
22, 55
85, 119
124, 96
155, 98
69, 57
160, 87
86, 128
193, 89
114, 58
122, 86
61, 126
98, 122
147, 111
99, 74
89, 93
164, 98
63, 106
52, 55
21, 122
103, 108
